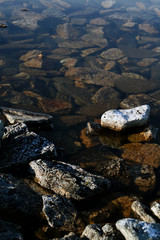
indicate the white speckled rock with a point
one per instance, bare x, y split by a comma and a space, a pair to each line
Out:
121, 119
155, 207
133, 229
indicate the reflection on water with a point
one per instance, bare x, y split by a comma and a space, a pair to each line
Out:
76, 59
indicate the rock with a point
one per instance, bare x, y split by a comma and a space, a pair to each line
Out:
143, 153
119, 120
146, 62
1, 131
30, 118
155, 207
69, 62
10, 231
97, 232
98, 21
133, 229
67, 31
70, 236
146, 134
32, 59
108, 3
59, 212
68, 180
21, 146
140, 211
105, 93
17, 199
112, 54
147, 28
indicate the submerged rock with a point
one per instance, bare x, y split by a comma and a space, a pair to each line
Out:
70, 236
59, 212
32, 59
1, 131
112, 54
125, 118
68, 180
108, 3
134, 229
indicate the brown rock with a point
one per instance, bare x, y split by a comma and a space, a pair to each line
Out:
54, 105
142, 153
147, 62
32, 59
67, 31
147, 28
112, 54
98, 21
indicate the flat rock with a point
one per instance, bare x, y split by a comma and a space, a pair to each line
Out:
133, 229
112, 54
17, 199
67, 31
68, 180
108, 3
59, 212
21, 146
10, 231
32, 59
119, 120
147, 28
30, 118
105, 93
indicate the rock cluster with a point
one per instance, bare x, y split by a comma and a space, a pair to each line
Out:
55, 190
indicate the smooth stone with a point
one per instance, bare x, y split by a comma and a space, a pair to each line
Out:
10, 231
112, 54
30, 118
133, 229
119, 120
140, 211
59, 212
155, 207
68, 180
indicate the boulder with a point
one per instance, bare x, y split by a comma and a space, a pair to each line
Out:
21, 146
134, 229
122, 119
68, 180
140, 211
59, 212
17, 199
10, 231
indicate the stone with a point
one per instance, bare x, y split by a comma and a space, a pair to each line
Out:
70, 236
59, 212
147, 62
133, 229
68, 180
10, 231
147, 28
112, 54
67, 31
21, 146
119, 120
108, 3
30, 118
145, 135
97, 232
32, 59
155, 208
98, 21
142, 153
17, 199
69, 62
141, 5
140, 211
105, 93
1, 131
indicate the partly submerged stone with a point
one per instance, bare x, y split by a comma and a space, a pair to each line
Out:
119, 120
59, 212
30, 118
10, 231
21, 146
68, 180
133, 229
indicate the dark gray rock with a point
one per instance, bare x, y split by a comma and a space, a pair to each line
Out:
17, 199
133, 229
21, 146
1, 131
68, 180
9, 231
59, 212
